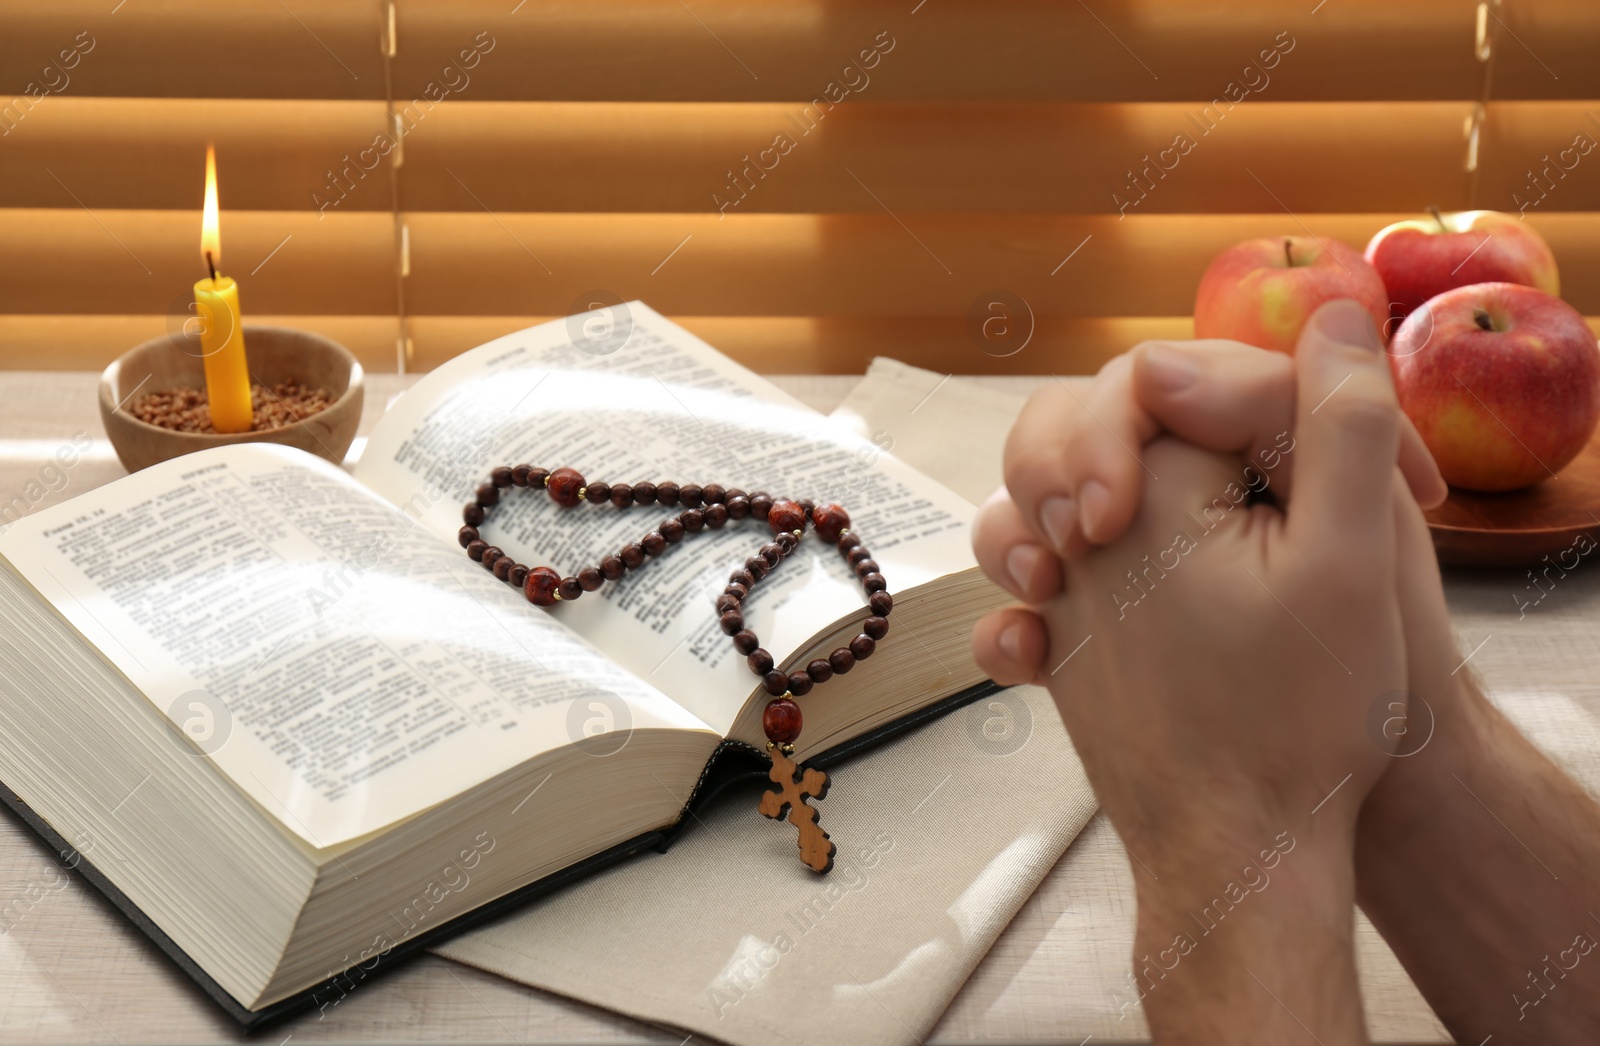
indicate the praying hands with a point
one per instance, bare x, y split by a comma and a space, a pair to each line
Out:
1230, 590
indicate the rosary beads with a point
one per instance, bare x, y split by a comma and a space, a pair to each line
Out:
709, 508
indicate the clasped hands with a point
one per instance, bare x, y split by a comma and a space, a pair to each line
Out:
1230, 590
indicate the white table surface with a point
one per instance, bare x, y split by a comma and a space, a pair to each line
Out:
73, 970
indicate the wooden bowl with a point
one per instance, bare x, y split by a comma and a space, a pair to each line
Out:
1521, 527
276, 354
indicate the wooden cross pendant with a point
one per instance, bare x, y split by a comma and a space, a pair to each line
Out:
816, 849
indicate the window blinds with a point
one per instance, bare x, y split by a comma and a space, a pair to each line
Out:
803, 184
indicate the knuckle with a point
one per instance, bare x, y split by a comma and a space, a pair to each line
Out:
1365, 416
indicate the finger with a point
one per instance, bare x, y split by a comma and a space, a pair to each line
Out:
1072, 458
1011, 554
1420, 470
1222, 396
1009, 644
1346, 435
1228, 396
1432, 657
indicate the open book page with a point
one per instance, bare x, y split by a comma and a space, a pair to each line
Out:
653, 402
336, 660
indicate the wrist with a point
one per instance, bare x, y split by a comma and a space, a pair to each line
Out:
1460, 726
1244, 933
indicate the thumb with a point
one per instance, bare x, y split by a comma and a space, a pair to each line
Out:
1347, 432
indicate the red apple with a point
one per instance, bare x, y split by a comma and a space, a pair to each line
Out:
1261, 292
1424, 257
1501, 380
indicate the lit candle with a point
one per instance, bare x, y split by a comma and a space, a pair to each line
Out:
221, 334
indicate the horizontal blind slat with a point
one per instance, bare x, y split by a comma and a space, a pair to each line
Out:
78, 342
750, 265
644, 157
754, 50
118, 261
874, 265
140, 153
769, 344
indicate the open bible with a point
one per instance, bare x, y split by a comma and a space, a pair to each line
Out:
278, 716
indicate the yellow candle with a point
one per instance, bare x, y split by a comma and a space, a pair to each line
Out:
216, 299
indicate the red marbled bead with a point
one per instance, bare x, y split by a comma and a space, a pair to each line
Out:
785, 517
781, 720
563, 485
830, 521
540, 588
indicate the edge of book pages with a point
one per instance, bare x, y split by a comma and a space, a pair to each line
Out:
731, 762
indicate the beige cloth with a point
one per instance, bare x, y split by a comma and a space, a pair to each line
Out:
942, 836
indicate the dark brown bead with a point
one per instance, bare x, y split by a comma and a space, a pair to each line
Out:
881, 603
613, 567
776, 682
501, 477
598, 493
666, 493
830, 521
653, 543
731, 622
671, 529
842, 661
848, 542
865, 567
502, 567
537, 477
819, 670
563, 485
739, 507
874, 582
590, 578
690, 495
806, 506
786, 541
570, 588
727, 602
760, 663
518, 576
757, 567
741, 577
621, 494
475, 549
760, 505
519, 475
472, 514
737, 590
488, 494
745, 642
644, 493
876, 627
716, 516
734, 492
713, 493
862, 646
632, 555
693, 520
490, 556
540, 587
772, 552
857, 554
785, 517
799, 684
781, 720
467, 535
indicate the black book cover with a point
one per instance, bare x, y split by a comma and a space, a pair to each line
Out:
730, 763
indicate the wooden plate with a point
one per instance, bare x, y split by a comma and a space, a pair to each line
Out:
1520, 527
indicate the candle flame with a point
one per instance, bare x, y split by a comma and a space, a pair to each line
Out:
210, 238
